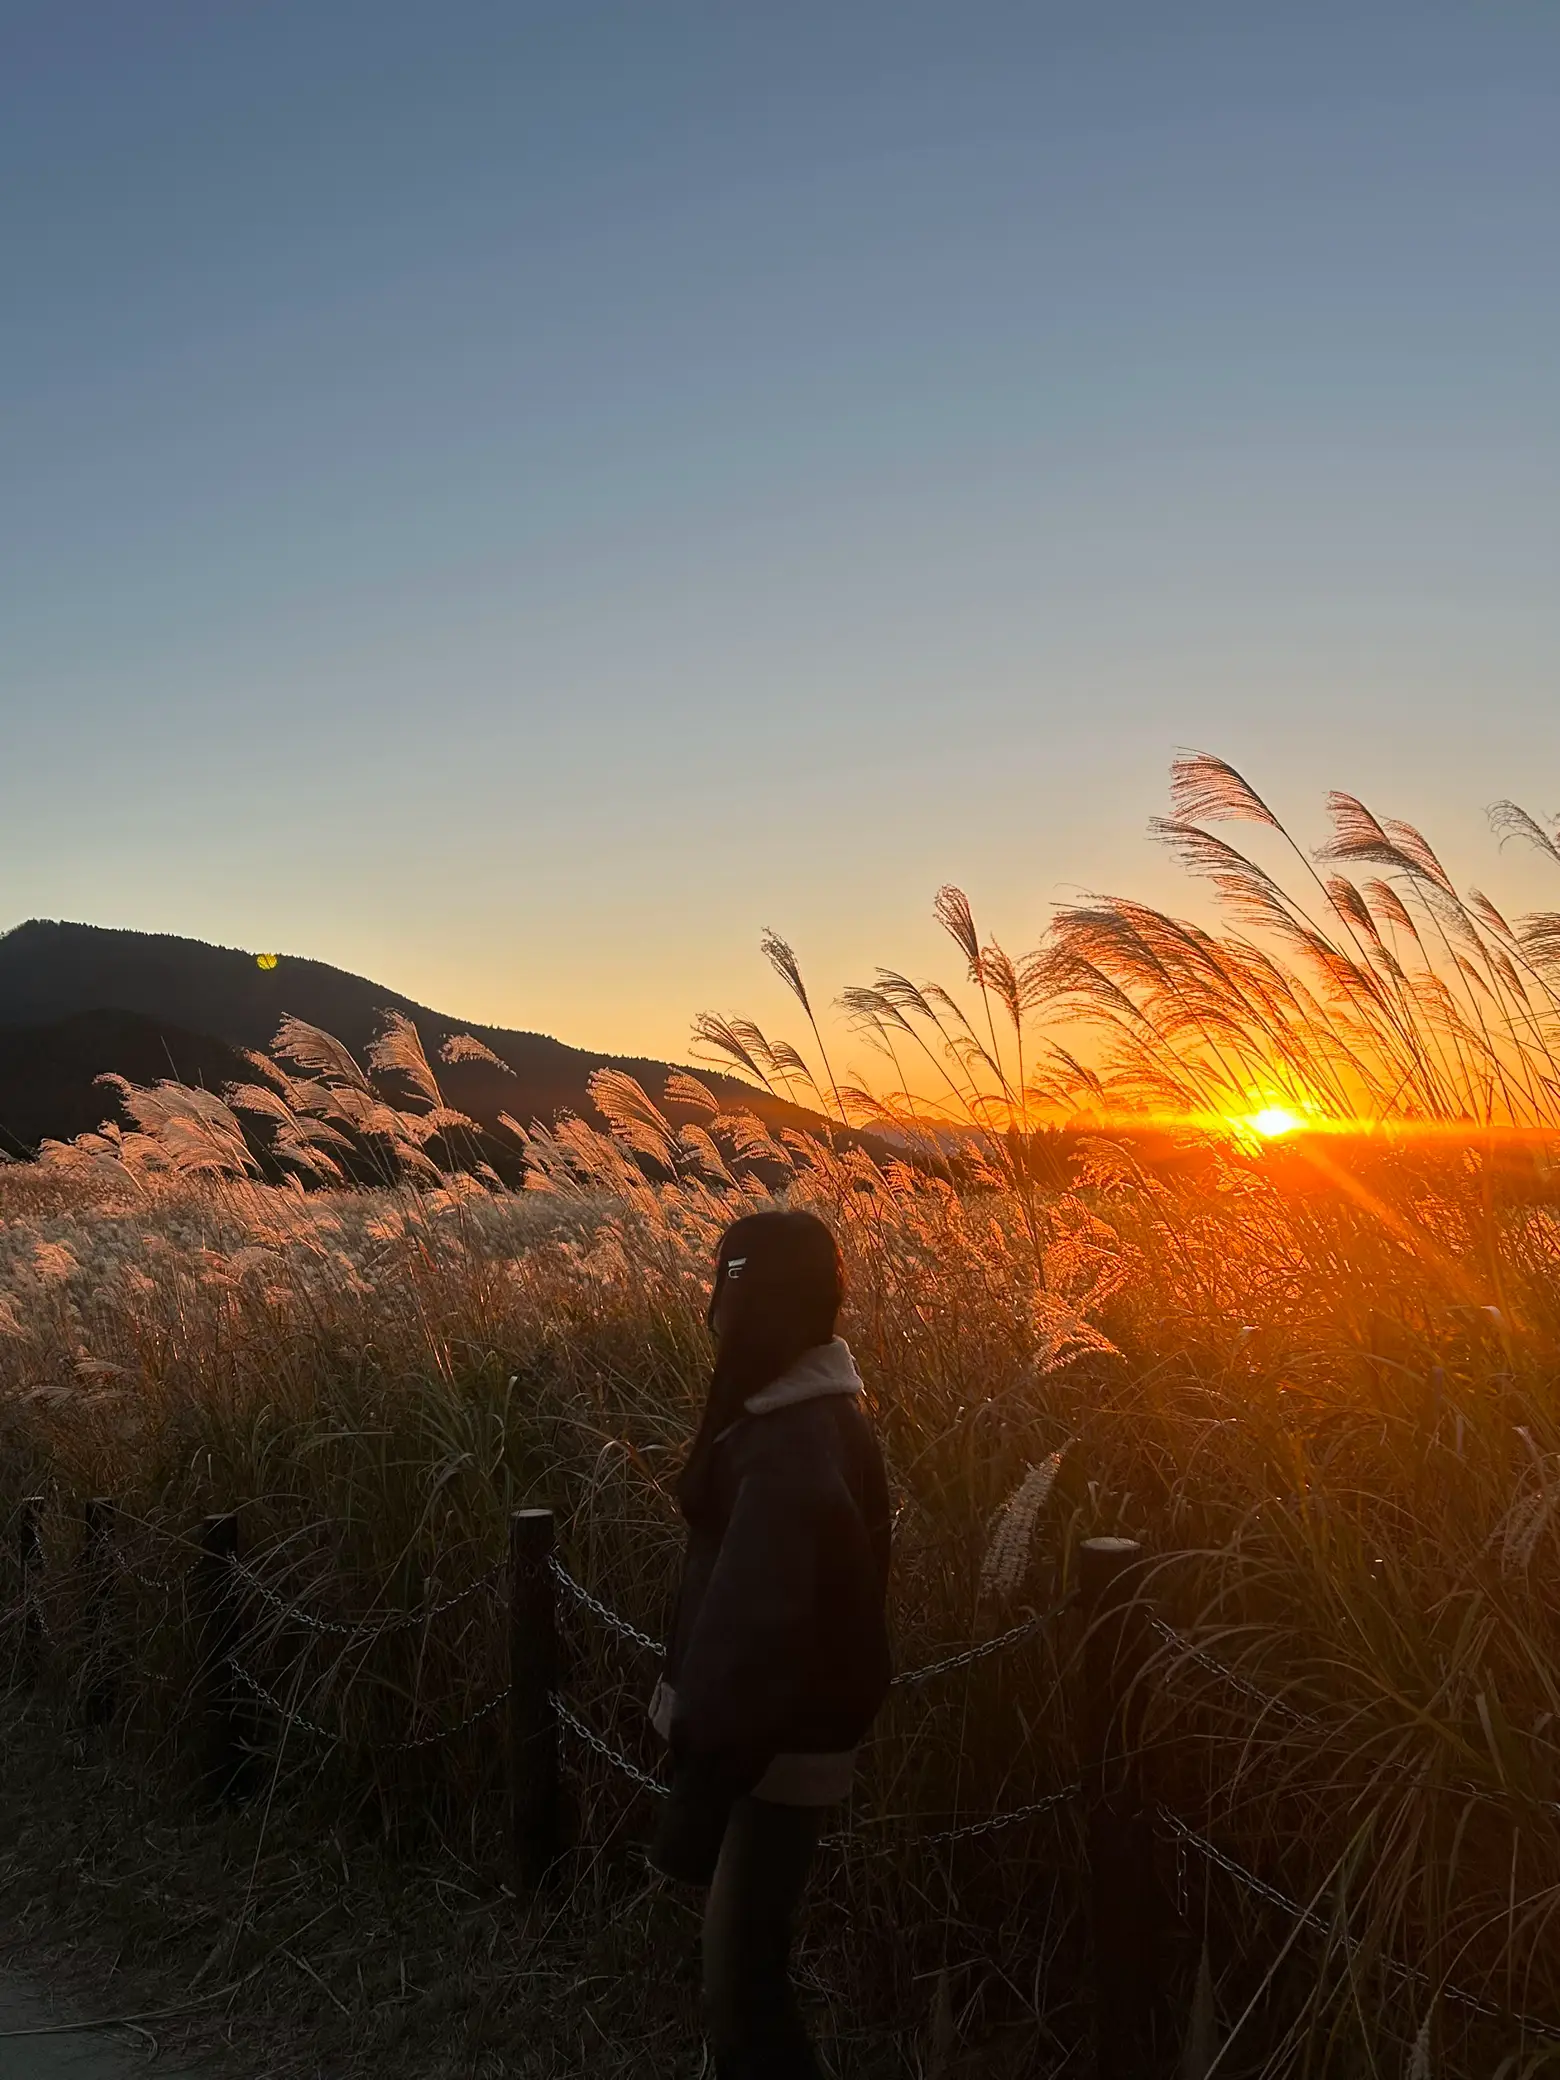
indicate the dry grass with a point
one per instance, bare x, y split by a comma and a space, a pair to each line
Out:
1316, 1378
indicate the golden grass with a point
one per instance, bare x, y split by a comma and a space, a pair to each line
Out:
1315, 1376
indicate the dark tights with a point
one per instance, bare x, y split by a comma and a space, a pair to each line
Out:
750, 2010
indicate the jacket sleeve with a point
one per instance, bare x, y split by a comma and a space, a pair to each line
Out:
752, 1644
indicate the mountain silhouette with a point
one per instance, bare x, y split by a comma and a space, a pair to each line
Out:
78, 1000
48, 1073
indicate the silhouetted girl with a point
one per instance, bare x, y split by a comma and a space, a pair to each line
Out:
778, 1658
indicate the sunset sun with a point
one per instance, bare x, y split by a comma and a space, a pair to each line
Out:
1273, 1122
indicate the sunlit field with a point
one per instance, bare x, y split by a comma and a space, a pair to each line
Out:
1242, 1243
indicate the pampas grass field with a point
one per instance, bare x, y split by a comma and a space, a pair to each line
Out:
1242, 1242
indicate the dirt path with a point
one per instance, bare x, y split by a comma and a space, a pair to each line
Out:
108, 2054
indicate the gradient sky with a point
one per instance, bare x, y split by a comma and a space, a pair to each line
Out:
514, 499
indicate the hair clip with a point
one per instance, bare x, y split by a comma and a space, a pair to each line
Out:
734, 1266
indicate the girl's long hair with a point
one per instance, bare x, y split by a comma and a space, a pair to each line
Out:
782, 1271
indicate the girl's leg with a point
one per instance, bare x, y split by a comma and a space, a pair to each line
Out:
754, 2028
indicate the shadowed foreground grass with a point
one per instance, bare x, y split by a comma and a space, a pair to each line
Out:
269, 1941
302, 1951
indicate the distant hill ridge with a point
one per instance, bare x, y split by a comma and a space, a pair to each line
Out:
48, 1073
185, 1004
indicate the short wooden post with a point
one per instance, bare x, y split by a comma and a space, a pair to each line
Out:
29, 1553
219, 1617
1123, 1908
535, 1823
96, 1563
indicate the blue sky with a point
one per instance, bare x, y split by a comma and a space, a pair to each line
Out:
514, 499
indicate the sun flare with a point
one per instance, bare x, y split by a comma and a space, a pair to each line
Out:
1272, 1122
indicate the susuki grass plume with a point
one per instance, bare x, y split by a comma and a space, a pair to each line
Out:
1006, 1557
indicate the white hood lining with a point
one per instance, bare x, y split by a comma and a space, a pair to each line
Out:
827, 1369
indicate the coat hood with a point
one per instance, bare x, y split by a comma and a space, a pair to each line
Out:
828, 1368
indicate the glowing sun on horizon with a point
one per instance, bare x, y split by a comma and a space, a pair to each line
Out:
1273, 1122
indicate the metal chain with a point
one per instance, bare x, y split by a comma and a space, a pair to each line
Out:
326, 1733
1024, 1630
603, 1611
283, 1711
593, 1741
1188, 1838
32, 1606
1206, 1661
400, 1621
971, 1828
403, 1620
962, 1659
448, 1733
142, 1581
620, 1762
995, 1820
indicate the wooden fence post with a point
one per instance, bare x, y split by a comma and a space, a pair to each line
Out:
96, 1562
29, 1551
219, 1611
535, 1825
1122, 1892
